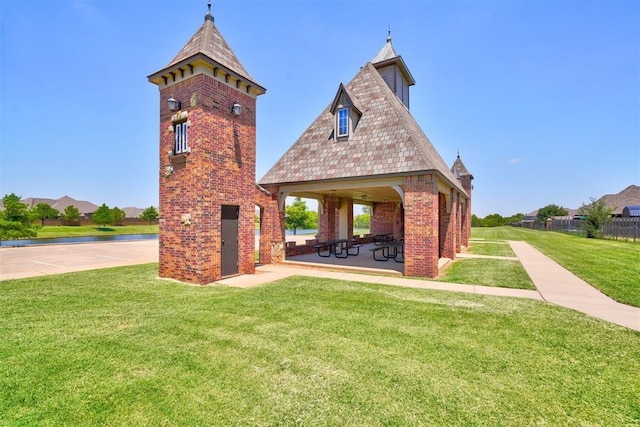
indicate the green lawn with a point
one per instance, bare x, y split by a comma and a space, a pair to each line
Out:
93, 230
487, 272
609, 265
490, 247
120, 347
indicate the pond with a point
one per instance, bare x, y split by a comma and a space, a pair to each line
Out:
80, 239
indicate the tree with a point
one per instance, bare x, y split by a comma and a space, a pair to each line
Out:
71, 215
598, 215
44, 211
118, 215
476, 221
493, 220
15, 221
362, 221
150, 214
103, 216
549, 211
297, 216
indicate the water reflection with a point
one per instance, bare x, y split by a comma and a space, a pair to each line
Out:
80, 239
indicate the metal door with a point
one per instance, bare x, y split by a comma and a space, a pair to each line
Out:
229, 251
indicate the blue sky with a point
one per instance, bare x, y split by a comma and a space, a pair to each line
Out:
541, 98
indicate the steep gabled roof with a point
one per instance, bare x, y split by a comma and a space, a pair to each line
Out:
459, 169
388, 56
208, 41
208, 44
387, 52
352, 100
387, 140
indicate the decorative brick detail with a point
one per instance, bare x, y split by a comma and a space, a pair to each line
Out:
218, 170
421, 226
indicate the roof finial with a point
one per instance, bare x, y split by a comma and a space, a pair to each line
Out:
209, 16
389, 34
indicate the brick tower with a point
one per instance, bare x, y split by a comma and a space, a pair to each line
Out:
207, 161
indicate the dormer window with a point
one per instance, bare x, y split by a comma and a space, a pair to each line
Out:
343, 122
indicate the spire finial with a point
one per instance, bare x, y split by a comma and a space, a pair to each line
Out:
389, 34
209, 16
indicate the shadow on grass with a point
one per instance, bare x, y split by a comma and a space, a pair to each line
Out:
106, 229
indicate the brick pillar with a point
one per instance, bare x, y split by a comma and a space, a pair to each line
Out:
271, 228
328, 220
448, 225
345, 219
466, 215
421, 226
459, 228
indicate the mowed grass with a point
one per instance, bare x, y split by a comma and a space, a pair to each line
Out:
93, 230
490, 248
609, 265
120, 347
487, 272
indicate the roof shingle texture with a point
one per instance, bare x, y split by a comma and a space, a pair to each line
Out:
387, 52
208, 41
387, 140
460, 169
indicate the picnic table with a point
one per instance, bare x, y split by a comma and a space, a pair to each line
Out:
341, 248
380, 239
390, 250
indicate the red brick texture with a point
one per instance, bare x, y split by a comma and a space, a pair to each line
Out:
466, 212
448, 225
421, 226
388, 217
272, 231
219, 170
328, 220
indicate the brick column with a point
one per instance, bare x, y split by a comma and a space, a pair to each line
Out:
447, 212
328, 220
421, 226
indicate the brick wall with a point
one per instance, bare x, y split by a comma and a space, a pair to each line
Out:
219, 170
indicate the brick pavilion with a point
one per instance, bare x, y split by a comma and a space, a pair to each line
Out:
364, 148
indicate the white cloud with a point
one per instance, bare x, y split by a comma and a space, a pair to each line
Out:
515, 161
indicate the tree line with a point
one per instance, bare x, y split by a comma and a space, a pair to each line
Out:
17, 221
594, 215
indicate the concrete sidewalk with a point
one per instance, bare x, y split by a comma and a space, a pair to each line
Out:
559, 286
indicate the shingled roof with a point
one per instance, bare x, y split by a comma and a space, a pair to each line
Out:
386, 140
209, 44
459, 169
630, 196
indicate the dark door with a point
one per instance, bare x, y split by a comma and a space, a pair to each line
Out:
229, 253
